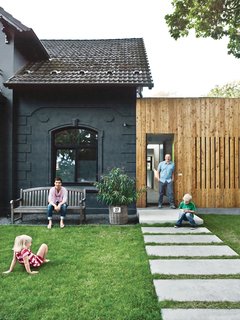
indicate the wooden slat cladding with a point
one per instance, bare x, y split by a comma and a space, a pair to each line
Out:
206, 146
208, 165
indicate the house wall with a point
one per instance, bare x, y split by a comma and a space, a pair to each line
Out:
1, 153
206, 146
10, 62
6, 69
40, 111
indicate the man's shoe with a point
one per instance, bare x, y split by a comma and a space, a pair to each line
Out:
172, 206
159, 206
176, 226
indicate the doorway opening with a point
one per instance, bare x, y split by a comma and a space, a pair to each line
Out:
157, 146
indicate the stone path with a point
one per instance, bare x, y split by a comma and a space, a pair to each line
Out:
151, 216
200, 314
169, 230
195, 266
211, 258
189, 251
198, 290
181, 239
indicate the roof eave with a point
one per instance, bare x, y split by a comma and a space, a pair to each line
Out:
20, 30
12, 85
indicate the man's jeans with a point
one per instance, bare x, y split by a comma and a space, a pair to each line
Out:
169, 187
63, 211
186, 217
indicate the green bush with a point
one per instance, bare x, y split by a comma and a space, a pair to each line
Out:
116, 189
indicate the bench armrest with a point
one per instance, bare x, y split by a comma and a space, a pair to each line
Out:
15, 201
14, 204
82, 206
82, 201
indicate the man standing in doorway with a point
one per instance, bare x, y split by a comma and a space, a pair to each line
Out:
166, 178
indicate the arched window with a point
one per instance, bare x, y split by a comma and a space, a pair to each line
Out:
76, 155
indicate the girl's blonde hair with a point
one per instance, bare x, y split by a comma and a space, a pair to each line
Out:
187, 197
20, 242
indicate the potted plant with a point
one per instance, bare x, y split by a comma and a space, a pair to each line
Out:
117, 190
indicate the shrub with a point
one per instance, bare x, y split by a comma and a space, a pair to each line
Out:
116, 188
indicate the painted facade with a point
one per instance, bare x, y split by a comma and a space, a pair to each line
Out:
44, 105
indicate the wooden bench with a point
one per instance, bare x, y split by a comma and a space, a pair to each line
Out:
35, 200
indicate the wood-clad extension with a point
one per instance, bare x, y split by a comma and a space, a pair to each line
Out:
206, 146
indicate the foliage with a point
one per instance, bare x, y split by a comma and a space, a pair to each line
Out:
95, 272
117, 188
65, 164
209, 18
75, 137
229, 90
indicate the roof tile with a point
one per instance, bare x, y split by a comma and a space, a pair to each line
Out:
106, 61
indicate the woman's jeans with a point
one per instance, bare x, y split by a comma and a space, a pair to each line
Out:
186, 217
63, 211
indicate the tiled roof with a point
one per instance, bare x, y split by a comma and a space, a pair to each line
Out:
94, 62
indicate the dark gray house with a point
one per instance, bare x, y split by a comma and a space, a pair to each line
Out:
68, 108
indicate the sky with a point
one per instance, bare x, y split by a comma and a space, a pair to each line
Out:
188, 67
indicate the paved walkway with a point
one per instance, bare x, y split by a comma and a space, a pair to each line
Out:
155, 215
193, 253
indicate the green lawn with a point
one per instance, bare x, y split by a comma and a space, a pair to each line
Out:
96, 272
226, 227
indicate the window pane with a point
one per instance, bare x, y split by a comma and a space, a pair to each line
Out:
87, 164
76, 154
65, 164
75, 137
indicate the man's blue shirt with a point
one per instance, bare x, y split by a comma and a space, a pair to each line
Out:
166, 171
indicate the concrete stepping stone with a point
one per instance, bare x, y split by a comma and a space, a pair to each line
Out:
189, 251
195, 267
174, 230
152, 216
198, 290
200, 314
181, 239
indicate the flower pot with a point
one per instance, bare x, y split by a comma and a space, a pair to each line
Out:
118, 214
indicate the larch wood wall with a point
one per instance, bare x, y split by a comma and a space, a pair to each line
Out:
206, 146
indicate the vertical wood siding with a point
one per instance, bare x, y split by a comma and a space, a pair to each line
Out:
206, 146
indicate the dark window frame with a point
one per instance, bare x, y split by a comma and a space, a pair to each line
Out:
54, 149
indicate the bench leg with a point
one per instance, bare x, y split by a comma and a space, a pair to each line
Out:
20, 217
82, 215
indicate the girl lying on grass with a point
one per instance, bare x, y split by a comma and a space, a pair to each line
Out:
23, 254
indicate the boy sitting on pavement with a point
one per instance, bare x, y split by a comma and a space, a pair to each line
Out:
187, 210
